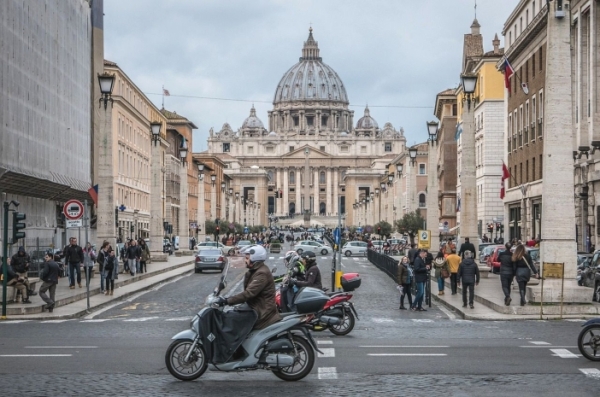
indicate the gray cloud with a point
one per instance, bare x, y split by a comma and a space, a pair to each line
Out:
393, 53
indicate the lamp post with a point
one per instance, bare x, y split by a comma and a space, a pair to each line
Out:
107, 82
183, 218
412, 183
201, 203
468, 214
433, 210
236, 212
157, 229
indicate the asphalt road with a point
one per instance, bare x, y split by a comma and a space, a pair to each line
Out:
120, 351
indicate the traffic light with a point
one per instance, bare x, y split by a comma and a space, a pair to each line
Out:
217, 230
116, 216
131, 228
379, 230
490, 227
18, 225
276, 193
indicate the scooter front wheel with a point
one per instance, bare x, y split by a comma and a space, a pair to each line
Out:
589, 342
179, 367
346, 326
304, 360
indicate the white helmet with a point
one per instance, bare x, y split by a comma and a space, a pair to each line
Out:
257, 254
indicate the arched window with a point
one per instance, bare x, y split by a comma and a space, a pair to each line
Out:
292, 177
422, 200
322, 209
322, 177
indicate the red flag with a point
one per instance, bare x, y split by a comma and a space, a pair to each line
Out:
93, 192
505, 176
508, 71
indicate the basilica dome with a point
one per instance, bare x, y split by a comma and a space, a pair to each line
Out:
366, 122
310, 79
252, 121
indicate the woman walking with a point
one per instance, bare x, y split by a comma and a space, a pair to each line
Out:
405, 275
111, 272
524, 268
440, 265
145, 256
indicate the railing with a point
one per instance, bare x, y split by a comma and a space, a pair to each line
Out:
385, 263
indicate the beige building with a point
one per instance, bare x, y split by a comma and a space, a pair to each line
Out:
311, 157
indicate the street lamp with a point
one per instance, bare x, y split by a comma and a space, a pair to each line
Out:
213, 178
223, 185
107, 82
155, 127
237, 195
231, 191
183, 151
432, 129
468, 82
391, 178
412, 152
399, 167
200, 171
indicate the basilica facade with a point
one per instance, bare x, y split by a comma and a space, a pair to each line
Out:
311, 157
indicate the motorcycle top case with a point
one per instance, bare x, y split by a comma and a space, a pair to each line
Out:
310, 300
350, 281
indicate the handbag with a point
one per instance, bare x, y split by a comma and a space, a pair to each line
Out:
445, 273
529, 266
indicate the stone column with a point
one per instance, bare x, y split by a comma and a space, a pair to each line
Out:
558, 208
316, 191
184, 223
433, 211
156, 204
299, 207
336, 189
106, 173
213, 200
201, 210
278, 187
286, 189
411, 191
468, 188
328, 203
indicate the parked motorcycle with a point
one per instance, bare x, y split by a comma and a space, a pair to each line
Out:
286, 348
338, 315
589, 340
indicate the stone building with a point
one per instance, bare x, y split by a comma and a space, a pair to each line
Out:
525, 41
312, 158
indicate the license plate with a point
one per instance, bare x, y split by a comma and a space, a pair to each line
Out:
209, 259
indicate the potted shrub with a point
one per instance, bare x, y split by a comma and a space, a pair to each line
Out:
275, 247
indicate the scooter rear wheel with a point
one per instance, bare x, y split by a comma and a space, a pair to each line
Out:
304, 361
176, 364
346, 326
589, 342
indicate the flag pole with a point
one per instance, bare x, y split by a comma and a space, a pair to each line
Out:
163, 96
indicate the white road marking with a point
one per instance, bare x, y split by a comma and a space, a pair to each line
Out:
323, 257
14, 321
589, 372
545, 347
380, 320
140, 319
422, 320
178, 319
271, 257
327, 373
535, 342
563, 353
406, 354
324, 342
55, 321
458, 320
61, 347
447, 312
404, 347
36, 355
356, 259
95, 321
327, 352
576, 320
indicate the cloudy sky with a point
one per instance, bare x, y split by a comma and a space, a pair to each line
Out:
219, 57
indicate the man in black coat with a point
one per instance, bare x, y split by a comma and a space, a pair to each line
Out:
20, 264
49, 276
420, 269
468, 274
17, 281
412, 253
507, 272
467, 246
74, 258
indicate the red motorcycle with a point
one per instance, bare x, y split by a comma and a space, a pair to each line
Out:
338, 315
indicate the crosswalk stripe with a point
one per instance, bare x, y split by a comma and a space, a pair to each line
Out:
54, 321
14, 321
140, 319
328, 373
178, 319
271, 257
422, 320
327, 352
563, 353
406, 354
591, 372
95, 321
534, 342
324, 342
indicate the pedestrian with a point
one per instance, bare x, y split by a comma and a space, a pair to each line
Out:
420, 270
101, 259
524, 269
507, 272
440, 265
20, 264
111, 271
405, 276
74, 257
467, 246
14, 279
49, 276
468, 275
132, 256
453, 261
412, 253
144, 256
89, 257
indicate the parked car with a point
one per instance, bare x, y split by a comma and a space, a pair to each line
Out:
355, 248
486, 252
242, 244
377, 245
209, 258
222, 247
493, 261
307, 245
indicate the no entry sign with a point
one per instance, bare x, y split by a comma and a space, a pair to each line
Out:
73, 210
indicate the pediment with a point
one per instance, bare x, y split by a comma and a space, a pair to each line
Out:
314, 153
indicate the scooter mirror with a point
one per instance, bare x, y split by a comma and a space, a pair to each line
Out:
274, 269
222, 285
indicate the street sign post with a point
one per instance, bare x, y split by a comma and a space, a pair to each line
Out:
424, 239
552, 270
73, 210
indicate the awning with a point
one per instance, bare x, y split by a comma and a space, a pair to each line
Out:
60, 188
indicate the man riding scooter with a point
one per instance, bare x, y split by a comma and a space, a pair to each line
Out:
313, 274
296, 271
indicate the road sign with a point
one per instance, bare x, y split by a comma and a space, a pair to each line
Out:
73, 223
246, 230
73, 210
553, 270
122, 208
424, 239
337, 236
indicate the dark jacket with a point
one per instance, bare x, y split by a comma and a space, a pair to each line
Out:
20, 263
11, 273
412, 254
402, 275
507, 266
259, 293
49, 272
100, 259
73, 254
134, 252
522, 271
467, 247
312, 278
420, 270
468, 272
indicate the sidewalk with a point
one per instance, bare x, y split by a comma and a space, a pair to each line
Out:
72, 303
489, 303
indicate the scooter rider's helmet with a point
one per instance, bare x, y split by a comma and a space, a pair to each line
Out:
309, 257
287, 259
256, 254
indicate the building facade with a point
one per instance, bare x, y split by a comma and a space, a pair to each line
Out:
312, 159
